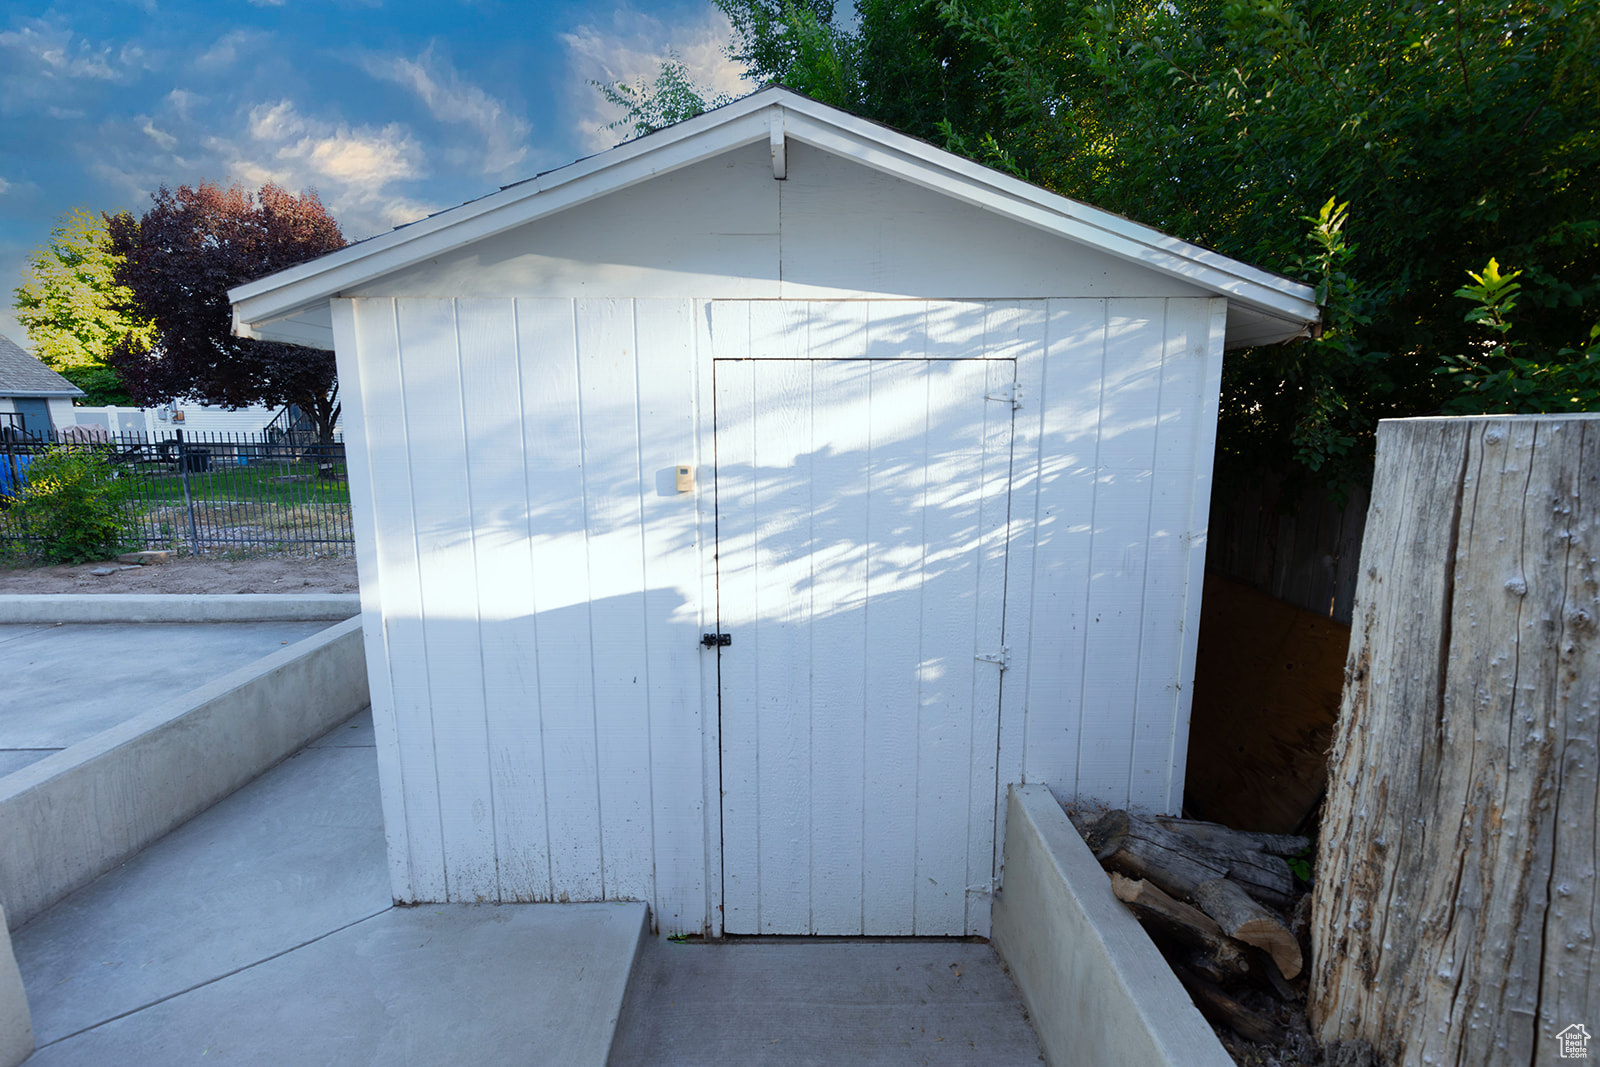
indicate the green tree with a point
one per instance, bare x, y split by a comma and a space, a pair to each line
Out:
1372, 149
671, 98
75, 311
179, 261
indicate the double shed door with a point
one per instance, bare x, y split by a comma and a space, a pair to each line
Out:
861, 522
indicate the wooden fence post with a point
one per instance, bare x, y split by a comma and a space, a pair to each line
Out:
1455, 907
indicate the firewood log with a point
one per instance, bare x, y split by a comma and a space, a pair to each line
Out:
1219, 1007
1245, 920
1179, 922
1144, 848
1212, 832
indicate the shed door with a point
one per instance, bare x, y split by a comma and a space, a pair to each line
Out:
861, 535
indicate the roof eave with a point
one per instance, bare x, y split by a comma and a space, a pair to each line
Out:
290, 293
36, 394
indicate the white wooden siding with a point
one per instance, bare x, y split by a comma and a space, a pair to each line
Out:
547, 715
723, 229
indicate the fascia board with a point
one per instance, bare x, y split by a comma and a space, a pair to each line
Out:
297, 288
41, 394
944, 172
743, 122
294, 329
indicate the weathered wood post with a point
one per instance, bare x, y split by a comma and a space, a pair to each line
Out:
1455, 910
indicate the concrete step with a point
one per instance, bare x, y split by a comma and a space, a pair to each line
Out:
262, 932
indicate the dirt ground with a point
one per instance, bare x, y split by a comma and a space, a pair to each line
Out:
190, 574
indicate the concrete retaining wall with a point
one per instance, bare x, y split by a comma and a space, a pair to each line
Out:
16, 1024
79, 812
1097, 988
172, 607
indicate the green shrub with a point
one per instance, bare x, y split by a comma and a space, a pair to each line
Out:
76, 506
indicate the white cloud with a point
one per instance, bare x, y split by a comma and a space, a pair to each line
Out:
5, 187
366, 175
45, 49
267, 3
353, 167
182, 102
456, 102
159, 136
224, 52
632, 48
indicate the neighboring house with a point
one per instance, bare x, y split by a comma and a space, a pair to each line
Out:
38, 397
739, 511
187, 415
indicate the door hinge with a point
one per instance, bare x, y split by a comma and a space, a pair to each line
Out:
1010, 391
716, 640
1002, 657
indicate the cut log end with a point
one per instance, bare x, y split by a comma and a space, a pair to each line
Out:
1244, 920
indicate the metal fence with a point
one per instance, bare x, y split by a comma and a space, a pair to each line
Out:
243, 493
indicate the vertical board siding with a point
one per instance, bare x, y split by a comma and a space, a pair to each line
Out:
1118, 525
665, 336
560, 735
497, 481
356, 325
737, 517
1113, 657
1168, 536
608, 399
388, 449
547, 358
897, 454
1068, 459
436, 433
1022, 327
838, 637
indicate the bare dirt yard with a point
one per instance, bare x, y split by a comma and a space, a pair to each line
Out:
190, 574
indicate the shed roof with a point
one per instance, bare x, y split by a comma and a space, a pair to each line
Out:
292, 305
21, 374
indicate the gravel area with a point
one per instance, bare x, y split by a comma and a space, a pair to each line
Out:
191, 574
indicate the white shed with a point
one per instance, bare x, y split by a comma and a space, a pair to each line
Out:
930, 446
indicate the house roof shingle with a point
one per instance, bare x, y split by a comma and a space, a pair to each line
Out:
23, 375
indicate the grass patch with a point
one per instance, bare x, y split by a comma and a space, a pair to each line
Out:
282, 484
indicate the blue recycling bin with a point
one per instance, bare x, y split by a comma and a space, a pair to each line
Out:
13, 474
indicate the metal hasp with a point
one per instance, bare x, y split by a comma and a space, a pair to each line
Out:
716, 640
1002, 657
1010, 392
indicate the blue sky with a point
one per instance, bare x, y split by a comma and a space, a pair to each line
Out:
389, 110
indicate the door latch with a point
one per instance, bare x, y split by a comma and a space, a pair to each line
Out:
716, 640
1011, 393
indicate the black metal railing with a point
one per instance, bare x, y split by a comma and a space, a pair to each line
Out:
244, 493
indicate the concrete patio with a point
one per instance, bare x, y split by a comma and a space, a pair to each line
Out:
67, 682
262, 932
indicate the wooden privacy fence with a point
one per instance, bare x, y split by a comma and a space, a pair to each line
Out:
1455, 903
1300, 547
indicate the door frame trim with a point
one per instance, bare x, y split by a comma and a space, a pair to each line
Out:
1029, 317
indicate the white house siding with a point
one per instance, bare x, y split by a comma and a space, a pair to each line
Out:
725, 229
547, 722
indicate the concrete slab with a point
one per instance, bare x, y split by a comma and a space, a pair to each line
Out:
65, 683
293, 855
823, 1002
262, 931
82, 811
357, 733
459, 983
